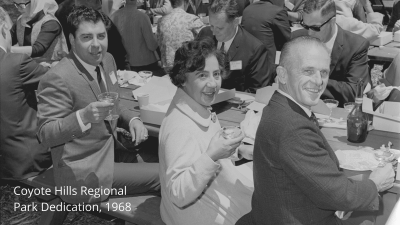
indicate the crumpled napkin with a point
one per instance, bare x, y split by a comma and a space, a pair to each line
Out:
249, 126
381, 92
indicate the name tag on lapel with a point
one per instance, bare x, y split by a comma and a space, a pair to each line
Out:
113, 77
235, 65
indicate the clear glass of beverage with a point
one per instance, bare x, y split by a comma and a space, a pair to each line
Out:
111, 97
331, 103
230, 132
349, 106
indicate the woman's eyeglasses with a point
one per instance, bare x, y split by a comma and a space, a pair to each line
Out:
315, 28
21, 5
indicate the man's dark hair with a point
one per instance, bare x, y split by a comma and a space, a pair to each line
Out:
229, 7
83, 13
94, 4
191, 56
176, 3
327, 6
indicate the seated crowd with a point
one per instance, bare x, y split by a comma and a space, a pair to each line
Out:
58, 58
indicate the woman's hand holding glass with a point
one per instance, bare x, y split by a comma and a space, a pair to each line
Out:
221, 148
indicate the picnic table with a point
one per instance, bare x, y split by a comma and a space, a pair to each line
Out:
337, 138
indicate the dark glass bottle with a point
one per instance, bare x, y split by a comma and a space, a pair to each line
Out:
357, 120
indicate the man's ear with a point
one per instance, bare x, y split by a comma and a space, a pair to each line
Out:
282, 75
3, 32
72, 41
236, 21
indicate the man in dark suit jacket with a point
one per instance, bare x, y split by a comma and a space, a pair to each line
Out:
72, 118
270, 24
348, 51
246, 55
297, 179
21, 155
116, 47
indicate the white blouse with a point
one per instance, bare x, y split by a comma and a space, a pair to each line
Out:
194, 188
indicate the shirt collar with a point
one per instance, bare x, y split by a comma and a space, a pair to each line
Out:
331, 41
228, 42
91, 69
306, 110
3, 48
191, 108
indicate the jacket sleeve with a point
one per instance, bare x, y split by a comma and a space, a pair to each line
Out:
395, 16
306, 161
148, 35
368, 30
31, 72
188, 169
48, 32
344, 90
57, 121
282, 29
256, 71
164, 10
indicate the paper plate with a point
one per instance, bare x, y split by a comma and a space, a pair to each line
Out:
360, 160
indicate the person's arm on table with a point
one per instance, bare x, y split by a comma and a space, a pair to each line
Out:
256, 71
306, 161
31, 72
344, 90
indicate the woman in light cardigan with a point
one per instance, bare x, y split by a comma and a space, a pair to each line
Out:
199, 184
37, 31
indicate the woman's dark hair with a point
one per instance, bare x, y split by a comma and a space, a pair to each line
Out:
191, 56
83, 13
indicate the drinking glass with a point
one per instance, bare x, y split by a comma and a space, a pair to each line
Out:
331, 103
349, 106
111, 97
230, 132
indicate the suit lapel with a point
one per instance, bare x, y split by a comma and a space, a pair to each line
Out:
86, 75
233, 49
337, 49
294, 106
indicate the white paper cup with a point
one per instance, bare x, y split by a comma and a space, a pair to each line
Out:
143, 99
156, 19
145, 74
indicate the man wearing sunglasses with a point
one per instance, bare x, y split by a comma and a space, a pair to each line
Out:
348, 51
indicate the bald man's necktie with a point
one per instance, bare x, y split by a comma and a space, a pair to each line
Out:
314, 119
100, 80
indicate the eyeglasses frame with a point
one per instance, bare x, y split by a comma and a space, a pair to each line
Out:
315, 28
21, 5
